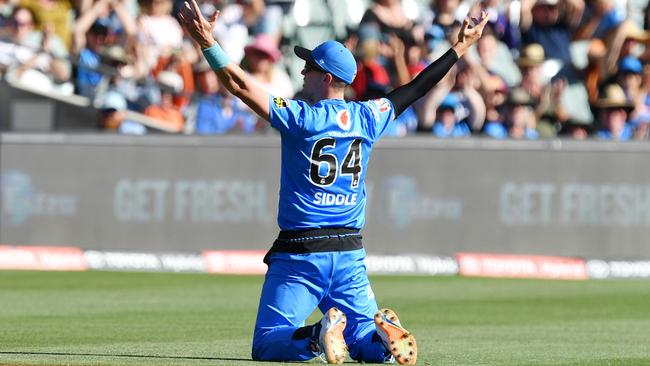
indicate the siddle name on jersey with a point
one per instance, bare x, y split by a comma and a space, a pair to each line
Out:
331, 199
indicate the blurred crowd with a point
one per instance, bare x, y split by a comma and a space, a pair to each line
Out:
543, 68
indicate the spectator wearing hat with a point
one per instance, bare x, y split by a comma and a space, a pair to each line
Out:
88, 69
612, 113
112, 115
521, 121
549, 111
629, 77
625, 40
447, 124
640, 117
261, 60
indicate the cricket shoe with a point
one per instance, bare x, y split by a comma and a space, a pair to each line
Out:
396, 339
330, 338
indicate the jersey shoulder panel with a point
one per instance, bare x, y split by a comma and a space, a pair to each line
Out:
290, 115
381, 113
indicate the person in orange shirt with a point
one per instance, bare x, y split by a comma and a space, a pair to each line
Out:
166, 112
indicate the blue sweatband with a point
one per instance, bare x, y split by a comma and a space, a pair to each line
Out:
217, 59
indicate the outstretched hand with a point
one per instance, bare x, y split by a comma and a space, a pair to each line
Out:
470, 32
199, 28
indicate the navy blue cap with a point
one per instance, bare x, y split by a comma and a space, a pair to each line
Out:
332, 57
630, 64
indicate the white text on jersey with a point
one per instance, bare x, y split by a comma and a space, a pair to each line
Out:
330, 199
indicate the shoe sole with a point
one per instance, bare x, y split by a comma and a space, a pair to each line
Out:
333, 342
402, 343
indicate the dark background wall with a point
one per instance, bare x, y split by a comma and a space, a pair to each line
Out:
173, 193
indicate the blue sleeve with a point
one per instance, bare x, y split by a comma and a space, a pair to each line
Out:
289, 116
381, 113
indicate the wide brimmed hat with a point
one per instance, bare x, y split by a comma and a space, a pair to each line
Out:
331, 57
613, 97
531, 55
265, 44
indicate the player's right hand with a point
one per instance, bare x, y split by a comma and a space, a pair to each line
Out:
199, 28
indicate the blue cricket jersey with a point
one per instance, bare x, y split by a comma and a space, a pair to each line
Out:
325, 152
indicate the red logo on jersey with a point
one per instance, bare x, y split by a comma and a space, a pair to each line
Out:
382, 104
343, 119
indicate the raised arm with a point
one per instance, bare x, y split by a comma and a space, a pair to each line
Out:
236, 80
404, 96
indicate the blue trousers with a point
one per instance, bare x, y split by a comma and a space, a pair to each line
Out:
295, 285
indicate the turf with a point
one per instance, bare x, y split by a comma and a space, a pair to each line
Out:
104, 318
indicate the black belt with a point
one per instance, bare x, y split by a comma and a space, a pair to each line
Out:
316, 240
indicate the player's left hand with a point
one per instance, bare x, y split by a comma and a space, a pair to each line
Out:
196, 25
470, 32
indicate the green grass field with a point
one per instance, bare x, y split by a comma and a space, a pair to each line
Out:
104, 318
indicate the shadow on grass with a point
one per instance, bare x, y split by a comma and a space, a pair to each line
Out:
126, 356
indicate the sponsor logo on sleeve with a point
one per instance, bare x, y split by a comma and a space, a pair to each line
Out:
343, 119
382, 104
281, 102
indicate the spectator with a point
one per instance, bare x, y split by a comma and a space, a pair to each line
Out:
171, 84
6, 8
551, 24
471, 106
641, 115
621, 42
159, 33
504, 24
602, 17
112, 115
629, 77
88, 70
535, 79
373, 78
262, 61
575, 130
391, 19
612, 110
231, 29
443, 14
435, 43
113, 16
521, 121
217, 111
447, 124
54, 14
495, 122
40, 58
